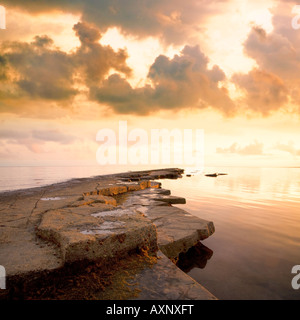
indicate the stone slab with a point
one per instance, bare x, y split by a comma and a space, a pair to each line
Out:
164, 281
22, 253
96, 236
153, 191
177, 230
166, 198
42, 229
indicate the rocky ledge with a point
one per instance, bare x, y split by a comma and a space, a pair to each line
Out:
119, 227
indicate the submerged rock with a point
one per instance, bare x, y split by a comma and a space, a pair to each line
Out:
215, 174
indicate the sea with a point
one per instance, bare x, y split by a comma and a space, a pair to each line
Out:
255, 249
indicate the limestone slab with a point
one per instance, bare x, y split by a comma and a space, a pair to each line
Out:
21, 253
42, 229
164, 281
97, 236
177, 230
166, 198
153, 191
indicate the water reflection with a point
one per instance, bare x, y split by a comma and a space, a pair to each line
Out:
257, 219
195, 257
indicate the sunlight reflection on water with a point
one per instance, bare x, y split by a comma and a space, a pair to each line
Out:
256, 213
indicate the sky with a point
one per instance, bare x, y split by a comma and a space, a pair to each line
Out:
71, 68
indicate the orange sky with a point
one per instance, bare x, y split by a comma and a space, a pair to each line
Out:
229, 67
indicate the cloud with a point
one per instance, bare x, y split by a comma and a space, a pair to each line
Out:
290, 148
34, 140
263, 92
181, 82
254, 148
274, 52
275, 80
6, 134
37, 70
172, 21
40, 71
95, 59
17, 136
52, 136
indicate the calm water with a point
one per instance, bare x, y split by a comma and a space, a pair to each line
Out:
256, 213
13, 178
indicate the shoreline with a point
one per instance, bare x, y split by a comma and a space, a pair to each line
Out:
85, 179
102, 221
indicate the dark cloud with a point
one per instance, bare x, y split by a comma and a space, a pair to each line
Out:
95, 59
43, 41
40, 6
254, 148
118, 94
3, 68
87, 34
172, 21
181, 82
39, 70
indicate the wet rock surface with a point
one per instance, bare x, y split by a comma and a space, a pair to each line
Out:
99, 220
